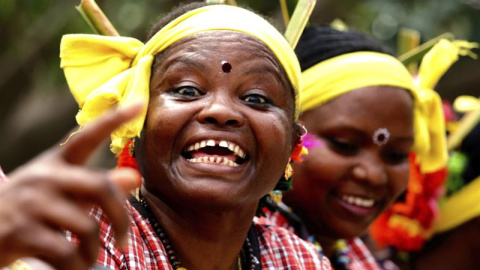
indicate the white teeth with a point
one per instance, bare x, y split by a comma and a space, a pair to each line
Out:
214, 160
241, 153
231, 146
210, 143
223, 144
358, 201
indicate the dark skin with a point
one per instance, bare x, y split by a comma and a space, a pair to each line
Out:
212, 205
342, 186
54, 191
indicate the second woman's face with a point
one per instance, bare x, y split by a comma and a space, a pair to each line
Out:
362, 166
219, 123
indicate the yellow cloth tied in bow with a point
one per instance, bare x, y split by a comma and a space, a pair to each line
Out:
106, 71
431, 146
345, 73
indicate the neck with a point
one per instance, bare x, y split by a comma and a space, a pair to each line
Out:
202, 238
328, 244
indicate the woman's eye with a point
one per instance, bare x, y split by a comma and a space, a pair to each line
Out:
343, 146
187, 92
256, 99
396, 157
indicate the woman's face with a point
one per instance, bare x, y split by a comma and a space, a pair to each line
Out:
344, 184
219, 123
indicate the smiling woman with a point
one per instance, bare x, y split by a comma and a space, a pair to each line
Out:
217, 134
367, 120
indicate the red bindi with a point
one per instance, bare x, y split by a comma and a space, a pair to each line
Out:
226, 66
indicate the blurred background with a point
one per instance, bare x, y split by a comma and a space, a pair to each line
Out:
37, 110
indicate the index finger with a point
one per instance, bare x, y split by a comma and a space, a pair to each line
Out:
82, 144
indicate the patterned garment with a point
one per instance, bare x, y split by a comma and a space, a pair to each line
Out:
279, 249
360, 257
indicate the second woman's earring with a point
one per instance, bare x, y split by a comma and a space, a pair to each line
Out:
131, 148
288, 172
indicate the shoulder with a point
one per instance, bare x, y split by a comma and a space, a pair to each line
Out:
274, 218
281, 249
360, 255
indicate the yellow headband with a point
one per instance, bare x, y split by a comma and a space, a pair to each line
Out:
342, 74
105, 71
345, 73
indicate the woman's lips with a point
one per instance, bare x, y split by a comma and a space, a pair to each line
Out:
359, 206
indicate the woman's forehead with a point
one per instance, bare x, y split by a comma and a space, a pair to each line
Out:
216, 47
368, 105
224, 40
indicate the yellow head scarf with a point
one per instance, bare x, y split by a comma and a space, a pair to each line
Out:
105, 71
345, 73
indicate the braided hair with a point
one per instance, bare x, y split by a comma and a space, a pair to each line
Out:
320, 43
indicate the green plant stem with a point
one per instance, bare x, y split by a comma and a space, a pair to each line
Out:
95, 17
415, 55
285, 15
299, 20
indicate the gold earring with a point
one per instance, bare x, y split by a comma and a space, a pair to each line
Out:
288, 172
131, 147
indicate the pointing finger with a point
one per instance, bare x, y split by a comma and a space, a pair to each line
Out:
81, 145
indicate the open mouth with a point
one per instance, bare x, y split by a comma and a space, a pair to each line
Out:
215, 152
358, 201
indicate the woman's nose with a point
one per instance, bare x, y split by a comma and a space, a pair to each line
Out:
221, 111
370, 169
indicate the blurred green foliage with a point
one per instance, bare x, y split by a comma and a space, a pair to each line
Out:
36, 109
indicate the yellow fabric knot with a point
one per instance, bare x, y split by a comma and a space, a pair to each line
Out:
432, 149
439, 59
104, 72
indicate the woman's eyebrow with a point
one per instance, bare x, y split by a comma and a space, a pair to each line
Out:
186, 61
266, 70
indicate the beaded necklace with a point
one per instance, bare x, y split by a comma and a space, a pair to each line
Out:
247, 258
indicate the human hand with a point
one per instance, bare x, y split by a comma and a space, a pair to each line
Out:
53, 192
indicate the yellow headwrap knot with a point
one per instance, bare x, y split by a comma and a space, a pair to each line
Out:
439, 59
103, 72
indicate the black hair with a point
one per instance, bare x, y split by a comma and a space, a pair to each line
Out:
175, 13
322, 42
471, 147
